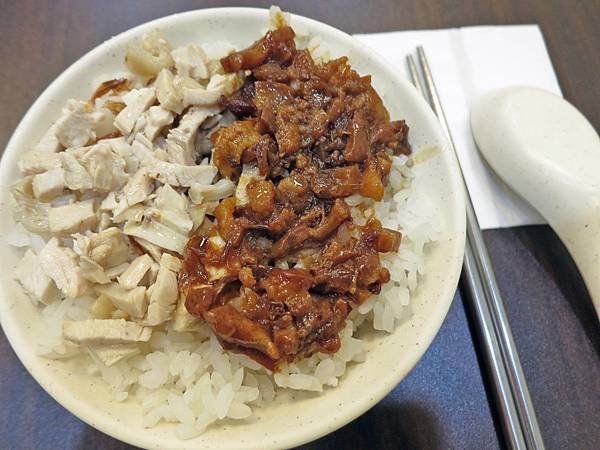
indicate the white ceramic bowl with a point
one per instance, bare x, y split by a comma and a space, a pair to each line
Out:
296, 418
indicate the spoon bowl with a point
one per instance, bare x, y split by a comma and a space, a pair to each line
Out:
548, 152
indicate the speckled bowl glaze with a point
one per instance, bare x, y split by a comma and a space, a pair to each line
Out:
294, 418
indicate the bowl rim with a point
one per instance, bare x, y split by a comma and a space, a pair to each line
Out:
430, 328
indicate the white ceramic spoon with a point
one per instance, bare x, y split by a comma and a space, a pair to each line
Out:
549, 153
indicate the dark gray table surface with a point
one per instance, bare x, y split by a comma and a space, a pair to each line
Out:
444, 402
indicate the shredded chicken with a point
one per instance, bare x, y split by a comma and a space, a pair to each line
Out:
48, 185
39, 162
157, 118
76, 126
166, 93
117, 183
110, 331
34, 280
165, 293
219, 86
73, 218
133, 301
136, 101
191, 61
105, 167
200, 193
180, 175
137, 190
135, 272
111, 354
62, 266
180, 141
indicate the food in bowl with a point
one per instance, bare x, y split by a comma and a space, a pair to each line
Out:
118, 186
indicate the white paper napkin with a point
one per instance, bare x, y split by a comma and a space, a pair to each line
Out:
466, 63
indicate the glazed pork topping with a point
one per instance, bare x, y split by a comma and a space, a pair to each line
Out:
277, 272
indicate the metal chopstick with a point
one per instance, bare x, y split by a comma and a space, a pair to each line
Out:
414, 75
507, 374
505, 403
509, 417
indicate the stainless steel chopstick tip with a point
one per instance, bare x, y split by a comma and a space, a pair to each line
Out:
414, 75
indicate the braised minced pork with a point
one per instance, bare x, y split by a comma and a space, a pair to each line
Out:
277, 273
